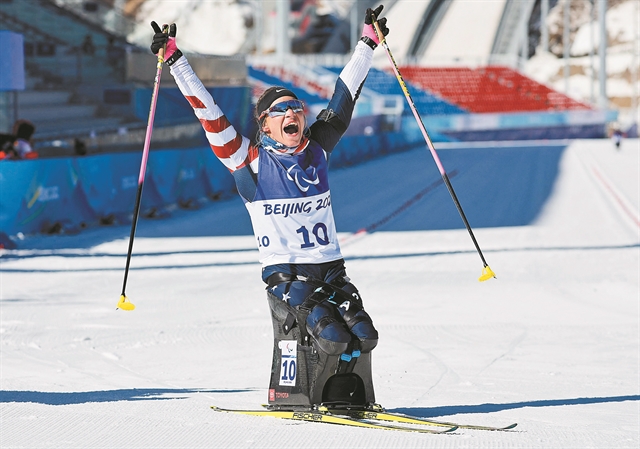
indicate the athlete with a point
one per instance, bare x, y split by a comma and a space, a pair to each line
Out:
283, 181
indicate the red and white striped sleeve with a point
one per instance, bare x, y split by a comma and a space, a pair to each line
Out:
228, 145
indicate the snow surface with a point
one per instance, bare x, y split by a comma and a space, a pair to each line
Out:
553, 343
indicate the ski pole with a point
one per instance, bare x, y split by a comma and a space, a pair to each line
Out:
123, 303
487, 273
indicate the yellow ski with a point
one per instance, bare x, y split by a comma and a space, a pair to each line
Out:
382, 415
326, 417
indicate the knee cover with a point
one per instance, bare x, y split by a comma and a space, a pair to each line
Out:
327, 329
357, 320
323, 323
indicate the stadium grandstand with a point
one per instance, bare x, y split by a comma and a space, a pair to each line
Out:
89, 79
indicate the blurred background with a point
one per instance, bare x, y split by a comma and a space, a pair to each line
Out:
81, 73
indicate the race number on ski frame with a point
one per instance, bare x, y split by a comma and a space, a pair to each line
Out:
289, 362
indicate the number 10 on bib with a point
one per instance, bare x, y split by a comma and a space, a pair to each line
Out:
289, 351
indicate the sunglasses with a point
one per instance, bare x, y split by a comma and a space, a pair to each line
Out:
280, 109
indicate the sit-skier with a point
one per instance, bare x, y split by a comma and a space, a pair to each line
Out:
323, 337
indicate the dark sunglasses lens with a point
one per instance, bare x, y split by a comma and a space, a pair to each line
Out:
295, 105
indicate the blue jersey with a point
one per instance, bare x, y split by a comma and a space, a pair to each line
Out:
287, 195
291, 211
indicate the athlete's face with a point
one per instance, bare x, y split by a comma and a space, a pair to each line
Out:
287, 128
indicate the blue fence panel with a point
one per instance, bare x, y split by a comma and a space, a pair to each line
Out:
47, 192
15, 184
124, 169
66, 194
218, 178
191, 182
100, 185
163, 173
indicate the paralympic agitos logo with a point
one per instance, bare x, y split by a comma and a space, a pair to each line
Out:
302, 179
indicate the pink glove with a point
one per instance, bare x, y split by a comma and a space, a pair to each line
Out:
369, 35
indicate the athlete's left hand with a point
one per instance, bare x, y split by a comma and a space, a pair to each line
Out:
369, 35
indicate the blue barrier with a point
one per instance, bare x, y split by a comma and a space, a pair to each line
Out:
588, 131
68, 194
516, 126
36, 193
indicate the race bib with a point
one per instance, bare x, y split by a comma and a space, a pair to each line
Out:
289, 362
295, 230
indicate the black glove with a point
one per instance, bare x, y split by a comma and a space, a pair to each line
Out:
369, 35
161, 38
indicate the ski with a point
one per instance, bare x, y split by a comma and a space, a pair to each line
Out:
327, 417
383, 415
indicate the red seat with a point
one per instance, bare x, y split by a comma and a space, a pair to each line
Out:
489, 89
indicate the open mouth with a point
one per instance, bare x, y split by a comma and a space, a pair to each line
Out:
291, 128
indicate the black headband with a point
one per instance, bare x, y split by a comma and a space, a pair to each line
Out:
270, 95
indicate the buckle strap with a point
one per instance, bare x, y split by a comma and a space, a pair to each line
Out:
335, 286
288, 324
279, 278
348, 360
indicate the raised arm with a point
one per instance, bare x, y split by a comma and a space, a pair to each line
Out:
333, 121
227, 144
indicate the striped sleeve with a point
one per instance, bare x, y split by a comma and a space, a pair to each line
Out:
227, 144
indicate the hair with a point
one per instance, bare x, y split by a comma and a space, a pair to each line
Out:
24, 129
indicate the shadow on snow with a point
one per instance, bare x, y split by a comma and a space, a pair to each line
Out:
432, 412
154, 394
133, 394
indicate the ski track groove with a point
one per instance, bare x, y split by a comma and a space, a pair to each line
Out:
512, 346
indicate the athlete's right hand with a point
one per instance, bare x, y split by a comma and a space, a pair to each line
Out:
160, 39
